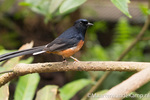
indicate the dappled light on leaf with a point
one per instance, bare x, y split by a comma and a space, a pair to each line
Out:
26, 87
70, 89
122, 5
48, 92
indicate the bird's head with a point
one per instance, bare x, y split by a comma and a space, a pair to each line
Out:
82, 23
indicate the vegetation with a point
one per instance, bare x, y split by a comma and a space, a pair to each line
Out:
78, 83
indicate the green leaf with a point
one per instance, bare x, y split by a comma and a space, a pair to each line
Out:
122, 5
70, 89
100, 52
27, 61
54, 5
26, 87
24, 4
13, 62
5, 51
38, 6
41, 6
122, 30
144, 9
148, 11
52, 8
49, 92
68, 5
4, 92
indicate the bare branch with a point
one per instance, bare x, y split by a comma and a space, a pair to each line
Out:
22, 69
124, 53
131, 84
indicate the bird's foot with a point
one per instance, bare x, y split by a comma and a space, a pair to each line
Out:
64, 60
75, 59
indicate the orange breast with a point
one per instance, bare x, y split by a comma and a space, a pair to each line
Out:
69, 52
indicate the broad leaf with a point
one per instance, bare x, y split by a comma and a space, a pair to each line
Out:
54, 5
70, 89
51, 8
122, 5
26, 87
4, 92
49, 92
68, 5
144, 9
38, 6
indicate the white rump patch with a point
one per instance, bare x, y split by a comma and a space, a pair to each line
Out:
73, 48
36, 53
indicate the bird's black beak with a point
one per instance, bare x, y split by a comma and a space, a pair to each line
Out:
89, 24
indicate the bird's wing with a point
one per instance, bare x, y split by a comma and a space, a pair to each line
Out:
61, 44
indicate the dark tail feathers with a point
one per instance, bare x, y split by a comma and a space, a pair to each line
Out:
20, 53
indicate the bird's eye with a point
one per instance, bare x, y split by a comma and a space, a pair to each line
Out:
84, 22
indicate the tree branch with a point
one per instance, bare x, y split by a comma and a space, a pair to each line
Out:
124, 53
137, 39
22, 69
131, 84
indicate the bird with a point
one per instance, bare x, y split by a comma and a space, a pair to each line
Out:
67, 44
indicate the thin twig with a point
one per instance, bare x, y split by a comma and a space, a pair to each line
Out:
124, 53
138, 38
96, 85
145, 38
22, 69
131, 84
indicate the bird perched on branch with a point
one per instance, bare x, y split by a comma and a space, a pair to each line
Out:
67, 44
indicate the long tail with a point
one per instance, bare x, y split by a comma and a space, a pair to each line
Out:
36, 50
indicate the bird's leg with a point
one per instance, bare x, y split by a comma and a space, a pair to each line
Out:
75, 59
64, 59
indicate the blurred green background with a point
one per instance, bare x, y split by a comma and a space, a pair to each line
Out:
43, 20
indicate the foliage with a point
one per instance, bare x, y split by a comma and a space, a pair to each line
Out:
123, 31
52, 8
144, 9
122, 5
124, 34
26, 87
4, 91
70, 89
10, 39
48, 92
